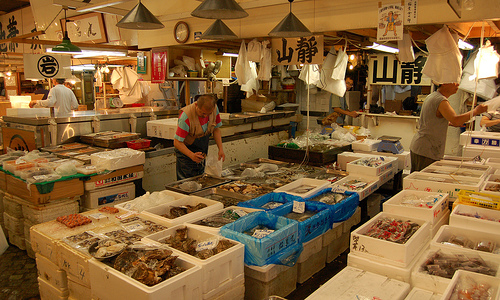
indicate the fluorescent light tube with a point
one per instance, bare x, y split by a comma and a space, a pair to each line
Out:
383, 48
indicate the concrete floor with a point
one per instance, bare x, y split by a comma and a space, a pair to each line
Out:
18, 275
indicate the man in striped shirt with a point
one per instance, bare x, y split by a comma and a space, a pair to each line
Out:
196, 123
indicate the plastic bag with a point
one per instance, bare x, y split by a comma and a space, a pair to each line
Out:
485, 87
213, 165
190, 186
326, 82
242, 67
338, 72
310, 74
265, 167
66, 169
190, 63
405, 47
254, 52
265, 63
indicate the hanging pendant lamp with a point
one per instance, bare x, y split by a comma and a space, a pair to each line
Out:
219, 9
218, 31
290, 26
140, 18
66, 46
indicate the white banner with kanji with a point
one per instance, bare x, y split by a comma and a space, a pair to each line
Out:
296, 51
41, 66
385, 69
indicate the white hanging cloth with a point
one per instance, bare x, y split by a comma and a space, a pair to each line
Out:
265, 63
485, 87
242, 68
405, 47
252, 83
486, 63
254, 51
98, 77
444, 63
338, 72
126, 81
326, 82
310, 74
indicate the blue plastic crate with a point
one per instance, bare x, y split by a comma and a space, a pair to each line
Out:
343, 210
279, 247
314, 226
271, 197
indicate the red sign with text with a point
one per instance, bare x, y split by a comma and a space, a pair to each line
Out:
158, 67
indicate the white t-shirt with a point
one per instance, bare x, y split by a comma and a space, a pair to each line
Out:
62, 99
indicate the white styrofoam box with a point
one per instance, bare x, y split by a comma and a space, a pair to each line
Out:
371, 186
114, 178
316, 185
493, 162
74, 262
261, 282
215, 230
332, 234
227, 130
399, 254
35, 112
109, 195
353, 220
13, 224
27, 226
311, 265
281, 121
353, 168
162, 196
29, 250
385, 177
41, 213
421, 294
262, 124
48, 291
309, 248
457, 219
243, 127
12, 205
445, 219
432, 215
464, 167
346, 157
164, 128
118, 159
157, 211
479, 279
367, 145
17, 239
480, 151
379, 267
51, 272
217, 270
481, 138
77, 290
488, 187
20, 101
493, 178
365, 285
337, 247
465, 160
108, 283
441, 183
404, 161
438, 284
234, 292
475, 236
463, 170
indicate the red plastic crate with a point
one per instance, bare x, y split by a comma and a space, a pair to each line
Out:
138, 144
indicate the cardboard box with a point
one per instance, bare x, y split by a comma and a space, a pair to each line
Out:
109, 195
114, 178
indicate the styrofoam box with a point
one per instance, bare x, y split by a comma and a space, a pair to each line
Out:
156, 212
480, 138
481, 151
74, 262
475, 236
399, 254
346, 157
365, 285
465, 160
29, 249
227, 130
243, 127
47, 291
311, 266
17, 239
41, 213
404, 161
281, 121
493, 162
13, 224
432, 215
480, 279
332, 234
458, 220
488, 186
109, 195
262, 124
217, 270
108, 283
353, 168
451, 172
234, 292
365, 145
458, 164
77, 290
166, 195
215, 230
309, 248
35, 112
421, 294
441, 183
493, 177
261, 282
385, 177
118, 159
164, 128
318, 185
445, 219
50, 272
12, 206
369, 188
352, 221
337, 247
438, 284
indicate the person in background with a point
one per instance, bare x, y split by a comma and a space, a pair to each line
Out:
436, 114
40, 90
339, 106
60, 97
196, 123
68, 85
491, 120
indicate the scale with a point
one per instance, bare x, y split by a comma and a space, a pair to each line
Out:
390, 144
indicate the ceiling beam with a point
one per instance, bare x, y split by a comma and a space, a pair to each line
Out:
23, 36
84, 45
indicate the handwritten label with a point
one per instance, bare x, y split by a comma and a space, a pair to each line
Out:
207, 245
97, 216
135, 226
299, 207
260, 233
240, 212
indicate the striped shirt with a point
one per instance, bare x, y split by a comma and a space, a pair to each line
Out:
183, 125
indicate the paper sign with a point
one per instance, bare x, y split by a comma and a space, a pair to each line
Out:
295, 51
299, 207
207, 245
158, 66
390, 26
385, 69
260, 233
48, 65
411, 12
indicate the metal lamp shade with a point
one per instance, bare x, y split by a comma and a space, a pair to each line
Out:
218, 31
289, 27
66, 46
140, 18
219, 9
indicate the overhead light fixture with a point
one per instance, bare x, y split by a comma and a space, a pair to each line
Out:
219, 9
82, 67
230, 54
218, 31
66, 46
464, 45
290, 26
140, 18
92, 53
383, 48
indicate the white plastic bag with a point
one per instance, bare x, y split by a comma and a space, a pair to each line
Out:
66, 169
254, 52
310, 74
242, 67
338, 72
485, 87
405, 47
326, 82
265, 63
213, 166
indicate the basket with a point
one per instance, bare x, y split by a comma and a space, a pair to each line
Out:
480, 199
138, 144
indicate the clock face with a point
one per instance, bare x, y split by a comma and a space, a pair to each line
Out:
181, 32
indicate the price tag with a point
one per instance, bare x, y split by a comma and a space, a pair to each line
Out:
40, 177
260, 233
207, 245
90, 167
134, 226
20, 161
299, 207
226, 172
240, 212
97, 216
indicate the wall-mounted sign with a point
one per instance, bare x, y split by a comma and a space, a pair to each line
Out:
41, 66
387, 70
390, 26
86, 28
141, 63
296, 51
158, 66
411, 12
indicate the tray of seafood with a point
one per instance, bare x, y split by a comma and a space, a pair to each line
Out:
214, 221
328, 174
76, 152
271, 201
109, 139
475, 218
149, 200
454, 171
182, 210
231, 119
363, 186
149, 272
440, 183
64, 147
251, 190
225, 197
318, 156
391, 237
303, 187
196, 183
475, 285
342, 205
371, 166
419, 204
221, 259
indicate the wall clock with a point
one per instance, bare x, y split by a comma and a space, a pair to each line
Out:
181, 32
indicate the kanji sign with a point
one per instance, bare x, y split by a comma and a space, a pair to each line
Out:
411, 12
386, 70
158, 66
295, 51
40, 66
